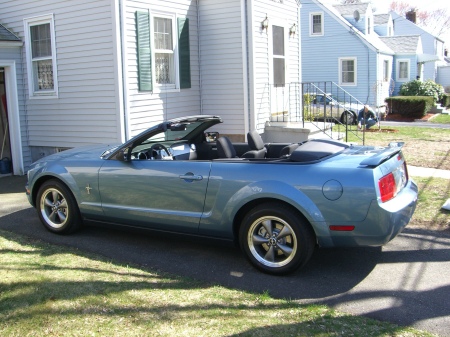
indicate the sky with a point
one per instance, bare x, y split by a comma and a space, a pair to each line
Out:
382, 6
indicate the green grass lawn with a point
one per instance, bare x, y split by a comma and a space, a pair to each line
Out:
441, 118
433, 192
49, 290
424, 146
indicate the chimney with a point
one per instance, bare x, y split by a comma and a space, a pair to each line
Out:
411, 15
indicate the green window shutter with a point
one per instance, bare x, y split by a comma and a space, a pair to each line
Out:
184, 54
144, 53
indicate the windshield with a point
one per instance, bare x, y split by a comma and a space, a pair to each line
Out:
174, 132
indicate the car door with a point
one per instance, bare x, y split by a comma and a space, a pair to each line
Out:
161, 194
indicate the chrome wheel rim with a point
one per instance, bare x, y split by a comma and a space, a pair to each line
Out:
54, 208
272, 241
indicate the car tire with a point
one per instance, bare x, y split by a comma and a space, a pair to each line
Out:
348, 118
276, 239
57, 208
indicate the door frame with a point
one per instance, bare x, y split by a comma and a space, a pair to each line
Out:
12, 100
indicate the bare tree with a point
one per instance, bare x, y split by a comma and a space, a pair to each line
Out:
437, 22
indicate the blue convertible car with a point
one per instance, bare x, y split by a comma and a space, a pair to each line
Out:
277, 201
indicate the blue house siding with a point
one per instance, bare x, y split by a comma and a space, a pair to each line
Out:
412, 71
430, 44
321, 55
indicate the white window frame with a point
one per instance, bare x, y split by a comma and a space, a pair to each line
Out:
311, 23
355, 61
403, 79
28, 23
173, 87
286, 50
386, 71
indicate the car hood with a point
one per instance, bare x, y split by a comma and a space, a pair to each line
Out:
81, 153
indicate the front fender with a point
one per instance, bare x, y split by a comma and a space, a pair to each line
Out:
38, 174
76, 180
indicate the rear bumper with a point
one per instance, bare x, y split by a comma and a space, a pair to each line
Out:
383, 222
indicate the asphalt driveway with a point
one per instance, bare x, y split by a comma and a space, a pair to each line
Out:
407, 282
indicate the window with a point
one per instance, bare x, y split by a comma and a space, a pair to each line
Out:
402, 70
164, 51
316, 24
279, 59
41, 56
368, 26
163, 61
386, 76
347, 71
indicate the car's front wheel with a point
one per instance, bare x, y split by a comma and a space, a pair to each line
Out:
276, 239
57, 208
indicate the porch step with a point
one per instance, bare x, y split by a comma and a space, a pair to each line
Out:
299, 132
437, 109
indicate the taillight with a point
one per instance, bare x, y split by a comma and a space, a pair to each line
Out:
388, 187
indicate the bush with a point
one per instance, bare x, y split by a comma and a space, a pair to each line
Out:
445, 101
419, 88
410, 106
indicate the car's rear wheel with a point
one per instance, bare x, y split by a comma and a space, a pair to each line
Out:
348, 118
276, 239
57, 208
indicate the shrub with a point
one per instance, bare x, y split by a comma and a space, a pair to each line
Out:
419, 88
410, 106
445, 101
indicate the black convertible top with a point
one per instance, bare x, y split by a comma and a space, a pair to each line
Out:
317, 149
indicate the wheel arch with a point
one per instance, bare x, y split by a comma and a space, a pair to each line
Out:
239, 216
41, 180
346, 112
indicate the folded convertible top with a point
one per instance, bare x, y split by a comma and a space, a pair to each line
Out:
317, 149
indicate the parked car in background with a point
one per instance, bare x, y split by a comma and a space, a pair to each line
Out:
328, 107
277, 201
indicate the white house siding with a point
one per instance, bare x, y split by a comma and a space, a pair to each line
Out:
280, 13
148, 108
222, 64
320, 55
87, 108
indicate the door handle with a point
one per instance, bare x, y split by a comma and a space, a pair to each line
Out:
191, 177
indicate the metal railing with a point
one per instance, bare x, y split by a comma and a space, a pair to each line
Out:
322, 106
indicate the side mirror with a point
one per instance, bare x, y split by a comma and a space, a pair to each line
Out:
122, 155
211, 136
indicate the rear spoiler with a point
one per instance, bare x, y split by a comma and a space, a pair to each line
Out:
389, 152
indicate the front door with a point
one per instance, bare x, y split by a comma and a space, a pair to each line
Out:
160, 194
5, 153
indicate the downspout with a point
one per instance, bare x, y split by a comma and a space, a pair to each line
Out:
368, 75
198, 58
122, 80
246, 57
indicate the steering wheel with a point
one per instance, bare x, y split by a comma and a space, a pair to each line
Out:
156, 151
